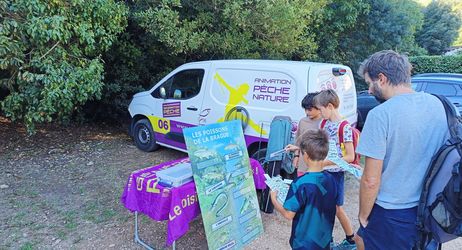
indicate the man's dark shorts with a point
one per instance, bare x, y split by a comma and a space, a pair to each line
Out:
390, 229
340, 181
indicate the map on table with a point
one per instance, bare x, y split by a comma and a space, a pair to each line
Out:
224, 184
332, 156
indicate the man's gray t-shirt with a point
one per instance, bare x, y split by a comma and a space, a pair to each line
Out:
405, 132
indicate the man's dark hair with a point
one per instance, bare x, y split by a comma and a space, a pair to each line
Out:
394, 66
315, 143
308, 101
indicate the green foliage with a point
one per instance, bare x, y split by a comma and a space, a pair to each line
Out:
338, 20
233, 29
50, 55
436, 64
458, 41
129, 68
134, 63
440, 28
385, 24
457, 8
390, 24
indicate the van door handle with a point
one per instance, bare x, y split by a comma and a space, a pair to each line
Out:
192, 108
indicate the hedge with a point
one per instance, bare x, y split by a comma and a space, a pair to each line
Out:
436, 64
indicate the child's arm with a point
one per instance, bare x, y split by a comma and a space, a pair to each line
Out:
295, 160
286, 213
296, 150
348, 144
350, 152
291, 147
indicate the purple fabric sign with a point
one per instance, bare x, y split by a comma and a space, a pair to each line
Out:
258, 174
179, 205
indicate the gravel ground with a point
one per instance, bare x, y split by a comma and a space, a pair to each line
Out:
60, 189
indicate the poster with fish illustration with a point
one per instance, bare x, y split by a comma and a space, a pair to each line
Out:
224, 184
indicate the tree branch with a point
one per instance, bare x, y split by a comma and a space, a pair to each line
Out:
56, 44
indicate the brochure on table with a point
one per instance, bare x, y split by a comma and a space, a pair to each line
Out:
224, 184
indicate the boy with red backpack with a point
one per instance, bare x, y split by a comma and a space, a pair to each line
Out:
340, 131
355, 134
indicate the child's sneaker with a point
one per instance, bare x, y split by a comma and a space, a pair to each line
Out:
344, 245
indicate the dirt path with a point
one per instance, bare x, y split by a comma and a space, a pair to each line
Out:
60, 189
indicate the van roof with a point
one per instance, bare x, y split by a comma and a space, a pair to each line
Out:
264, 62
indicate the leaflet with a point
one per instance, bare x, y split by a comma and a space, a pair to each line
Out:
275, 153
277, 184
332, 156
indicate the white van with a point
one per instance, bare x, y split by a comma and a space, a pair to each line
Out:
254, 91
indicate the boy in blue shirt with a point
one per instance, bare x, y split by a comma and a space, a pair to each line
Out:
312, 198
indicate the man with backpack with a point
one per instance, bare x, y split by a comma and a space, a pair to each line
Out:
398, 140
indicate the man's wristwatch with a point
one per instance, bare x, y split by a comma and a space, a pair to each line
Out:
296, 156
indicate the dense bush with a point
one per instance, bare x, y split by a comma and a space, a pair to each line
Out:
440, 28
50, 55
436, 64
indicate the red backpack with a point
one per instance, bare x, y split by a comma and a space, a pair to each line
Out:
355, 133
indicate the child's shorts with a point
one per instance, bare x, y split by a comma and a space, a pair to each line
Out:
340, 180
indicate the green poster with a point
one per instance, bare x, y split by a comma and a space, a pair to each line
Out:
224, 184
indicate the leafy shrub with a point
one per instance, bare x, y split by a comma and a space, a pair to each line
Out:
436, 64
50, 55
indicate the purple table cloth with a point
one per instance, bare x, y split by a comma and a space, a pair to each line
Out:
178, 205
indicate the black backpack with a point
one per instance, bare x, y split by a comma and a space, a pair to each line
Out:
439, 216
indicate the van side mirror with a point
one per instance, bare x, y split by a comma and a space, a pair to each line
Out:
163, 93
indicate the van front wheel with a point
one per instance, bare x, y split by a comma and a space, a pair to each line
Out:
259, 155
143, 135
